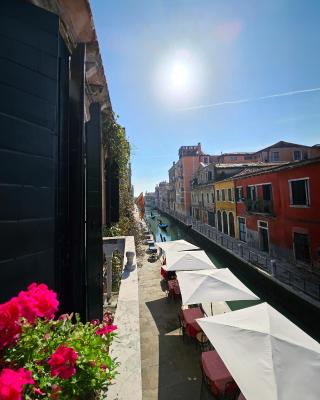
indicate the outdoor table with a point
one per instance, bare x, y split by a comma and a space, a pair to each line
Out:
215, 370
173, 287
190, 315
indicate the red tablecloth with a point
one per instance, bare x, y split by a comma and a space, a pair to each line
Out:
241, 397
215, 369
174, 288
190, 315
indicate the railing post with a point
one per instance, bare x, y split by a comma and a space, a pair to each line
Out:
273, 268
240, 250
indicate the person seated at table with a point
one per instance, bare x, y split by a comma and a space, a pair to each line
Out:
171, 275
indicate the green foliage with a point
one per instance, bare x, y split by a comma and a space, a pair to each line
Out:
116, 270
94, 367
118, 150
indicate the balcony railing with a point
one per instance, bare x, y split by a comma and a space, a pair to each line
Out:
259, 206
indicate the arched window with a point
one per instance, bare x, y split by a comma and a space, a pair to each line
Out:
231, 224
225, 222
219, 220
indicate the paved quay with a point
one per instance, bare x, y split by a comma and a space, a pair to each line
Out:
170, 366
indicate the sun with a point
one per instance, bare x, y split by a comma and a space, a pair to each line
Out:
179, 76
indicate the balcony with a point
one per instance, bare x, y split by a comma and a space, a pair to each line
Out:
259, 206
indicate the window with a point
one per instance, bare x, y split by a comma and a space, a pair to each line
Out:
233, 158
297, 155
229, 194
219, 221
218, 195
242, 229
209, 175
223, 195
231, 224
299, 192
239, 194
275, 156
251, 193
212, 197
225, 223
202, 198
301, 247
207, 197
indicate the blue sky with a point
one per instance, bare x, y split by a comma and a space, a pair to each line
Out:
164, 59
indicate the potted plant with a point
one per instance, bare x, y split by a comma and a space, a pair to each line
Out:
43, 357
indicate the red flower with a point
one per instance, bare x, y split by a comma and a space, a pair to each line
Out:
10, 327
95, 322
38, 301
12, 382
62, 362
106, 329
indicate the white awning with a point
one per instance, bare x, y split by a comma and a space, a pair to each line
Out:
176, 245
212, 285
188, 261
269, 357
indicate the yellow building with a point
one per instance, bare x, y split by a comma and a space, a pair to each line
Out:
226, 208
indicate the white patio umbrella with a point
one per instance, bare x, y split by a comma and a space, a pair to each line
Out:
188, 261
176, 245
212, 285
268, 356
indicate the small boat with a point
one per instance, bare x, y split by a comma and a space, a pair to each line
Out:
163, 226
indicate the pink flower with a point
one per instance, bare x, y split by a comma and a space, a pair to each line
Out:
10, 327
95, 322
38, 391
38, 301
106, 329
12, 382
62, 362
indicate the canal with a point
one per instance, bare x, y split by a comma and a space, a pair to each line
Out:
302, 313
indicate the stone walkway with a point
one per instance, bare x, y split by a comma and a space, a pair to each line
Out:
170, 367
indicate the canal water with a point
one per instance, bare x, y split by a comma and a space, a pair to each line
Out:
174, 232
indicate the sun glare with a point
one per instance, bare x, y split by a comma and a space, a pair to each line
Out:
180, 75
178, 78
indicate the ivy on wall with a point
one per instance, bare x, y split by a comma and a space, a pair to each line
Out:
117, 148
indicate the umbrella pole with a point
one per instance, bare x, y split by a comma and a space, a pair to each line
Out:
211, 309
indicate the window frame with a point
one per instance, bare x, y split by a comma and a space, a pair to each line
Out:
297, 151
239, 198
307, 187
239, 231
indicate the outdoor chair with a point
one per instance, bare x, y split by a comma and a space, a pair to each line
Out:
203, 342
208, 385
182, 325
231, 391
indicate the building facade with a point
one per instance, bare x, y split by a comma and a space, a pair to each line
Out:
202, 195
150, 199
278, 211
285, 151
226, 209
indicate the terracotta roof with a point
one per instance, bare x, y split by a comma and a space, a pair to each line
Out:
276, 168
282, 144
